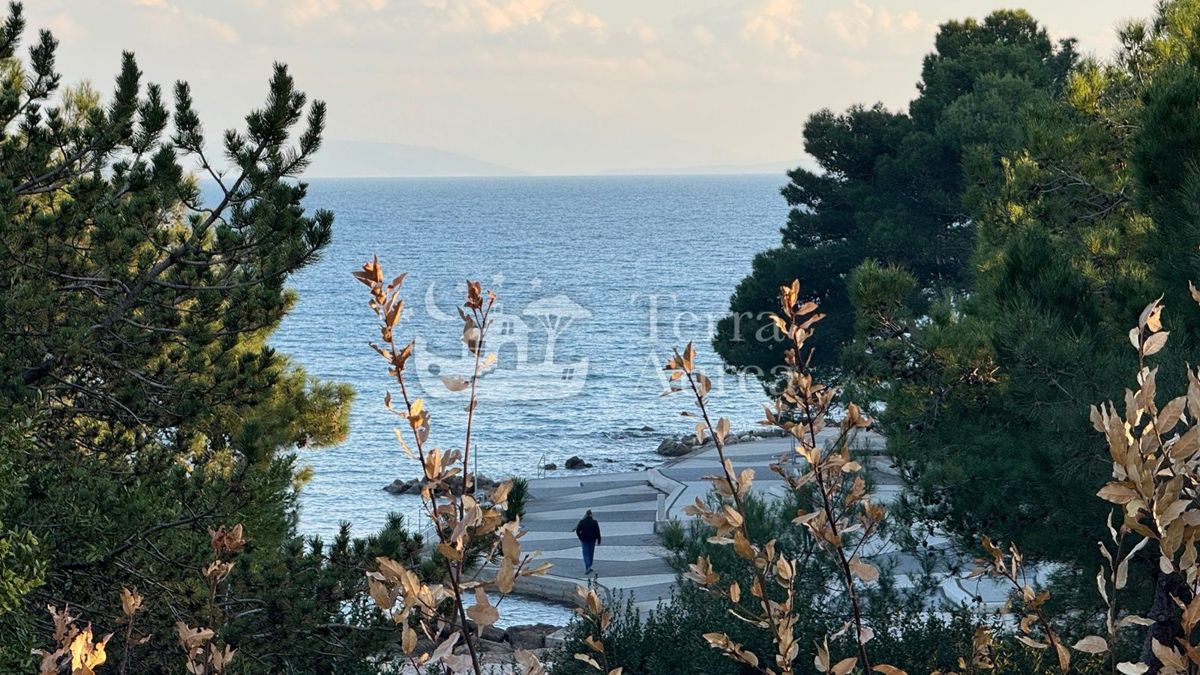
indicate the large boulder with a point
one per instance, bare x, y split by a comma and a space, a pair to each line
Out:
530, 636
576, 462
485, 646
494, 647
671, 447
398, 486
490, 633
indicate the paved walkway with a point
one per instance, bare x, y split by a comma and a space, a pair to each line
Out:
628, 505
629, 559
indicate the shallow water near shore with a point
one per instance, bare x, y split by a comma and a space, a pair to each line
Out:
597, 277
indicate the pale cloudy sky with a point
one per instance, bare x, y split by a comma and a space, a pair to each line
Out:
546, 86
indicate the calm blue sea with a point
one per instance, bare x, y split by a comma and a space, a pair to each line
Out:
598, 278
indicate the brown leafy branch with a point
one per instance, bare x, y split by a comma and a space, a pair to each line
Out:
1155, 453
461, 521
841, 522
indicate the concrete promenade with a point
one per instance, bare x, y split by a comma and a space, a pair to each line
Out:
632, 562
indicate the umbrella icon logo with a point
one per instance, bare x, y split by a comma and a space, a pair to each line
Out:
513, 375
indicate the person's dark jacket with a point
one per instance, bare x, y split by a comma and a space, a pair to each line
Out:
588, 530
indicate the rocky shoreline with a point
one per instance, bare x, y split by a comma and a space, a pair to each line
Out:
670, 447
415, 485
678, 446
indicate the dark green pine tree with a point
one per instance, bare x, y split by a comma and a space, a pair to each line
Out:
987, 393
140, 403
890, 186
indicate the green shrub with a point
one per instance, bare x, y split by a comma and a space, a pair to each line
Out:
516, 499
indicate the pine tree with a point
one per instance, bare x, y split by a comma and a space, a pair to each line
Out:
891, 185
987, 393
134, 319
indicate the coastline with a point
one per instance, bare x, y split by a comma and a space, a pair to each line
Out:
632, 507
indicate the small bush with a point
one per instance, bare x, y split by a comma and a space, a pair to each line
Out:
516, 499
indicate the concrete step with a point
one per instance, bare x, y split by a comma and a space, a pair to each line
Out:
611, 529
566, 519
584, 502
557, 541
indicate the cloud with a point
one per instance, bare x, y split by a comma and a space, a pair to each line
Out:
776, 23
555, 17
643, 32
65, 27
307, 11
860, 24
180, 16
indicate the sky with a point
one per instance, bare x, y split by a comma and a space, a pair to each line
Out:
547, 86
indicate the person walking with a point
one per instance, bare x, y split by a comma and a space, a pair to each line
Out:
588, 531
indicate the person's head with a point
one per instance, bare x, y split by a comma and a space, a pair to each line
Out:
588, 514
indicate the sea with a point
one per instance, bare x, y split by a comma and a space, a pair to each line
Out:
597, 280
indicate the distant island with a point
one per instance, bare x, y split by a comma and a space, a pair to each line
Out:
370, 159
779, 167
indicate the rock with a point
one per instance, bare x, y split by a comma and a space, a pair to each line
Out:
482, 482
673, 448
576, 462
454, 484
494, 647
550, 466
397, 487
493, 634
529, 636
648, 429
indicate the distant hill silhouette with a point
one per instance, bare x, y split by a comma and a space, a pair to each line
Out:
369, 159
779, 167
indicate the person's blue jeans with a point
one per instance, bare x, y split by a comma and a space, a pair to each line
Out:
589, 550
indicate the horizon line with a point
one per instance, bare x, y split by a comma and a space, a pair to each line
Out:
544, 175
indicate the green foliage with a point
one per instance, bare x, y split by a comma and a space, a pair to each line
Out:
664, 640
891, 186
21, 566
135, 321
516, 499
320, 593
987, 391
